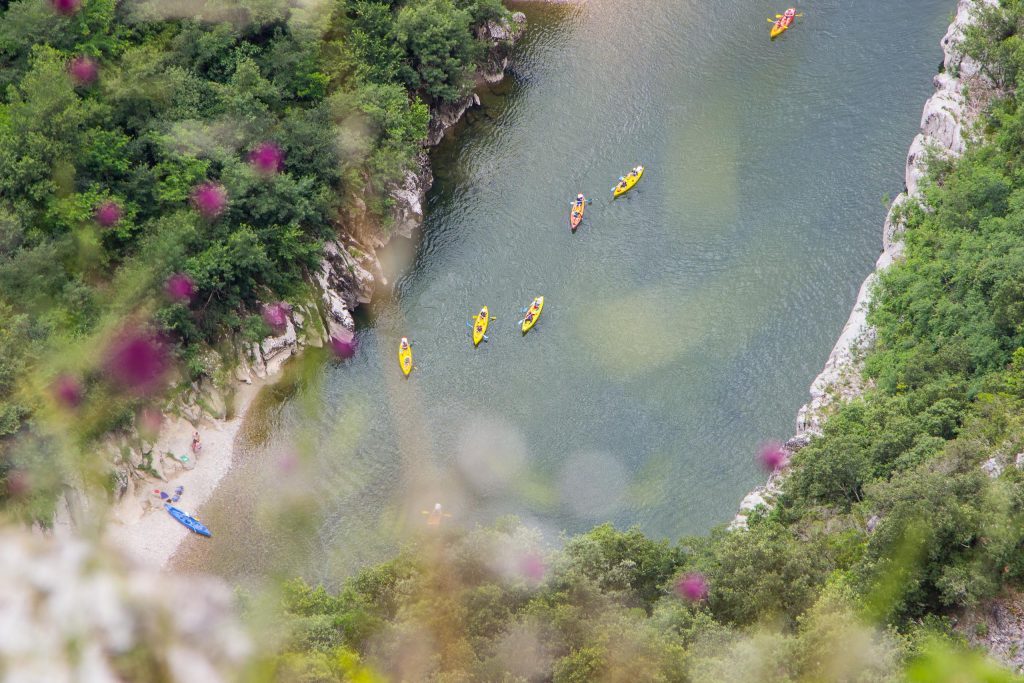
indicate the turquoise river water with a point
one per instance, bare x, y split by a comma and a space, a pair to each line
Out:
683, 323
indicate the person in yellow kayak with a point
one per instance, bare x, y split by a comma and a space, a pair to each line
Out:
405, 344
577, 208
533, 307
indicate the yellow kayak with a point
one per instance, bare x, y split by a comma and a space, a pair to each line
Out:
405, 356
480, 323
627, 183
533, 313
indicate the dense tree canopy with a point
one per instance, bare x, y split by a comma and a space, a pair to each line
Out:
138, 144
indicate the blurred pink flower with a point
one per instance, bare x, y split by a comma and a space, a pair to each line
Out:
267, 158
137, 360
68, 391
692, 587
773, 456
83, 70
276, 316
344, 344
148, 422
210, 199
287, 462
532, 567
19, 484
179, 287
66, 7
108, 214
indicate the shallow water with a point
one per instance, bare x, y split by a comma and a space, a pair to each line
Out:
683, 322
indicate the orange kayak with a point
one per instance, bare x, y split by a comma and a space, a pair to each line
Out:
576, 215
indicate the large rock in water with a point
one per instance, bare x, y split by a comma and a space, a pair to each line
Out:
408, 212
345, 284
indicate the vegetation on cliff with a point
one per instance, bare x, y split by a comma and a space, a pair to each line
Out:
167, 168
905, 512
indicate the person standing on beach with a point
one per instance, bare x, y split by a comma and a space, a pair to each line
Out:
196, 444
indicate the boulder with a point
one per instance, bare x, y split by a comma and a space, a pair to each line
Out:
943, 115
992, 467
409, 198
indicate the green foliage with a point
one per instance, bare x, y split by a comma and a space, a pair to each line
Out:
622, 562
181, 102
441, 49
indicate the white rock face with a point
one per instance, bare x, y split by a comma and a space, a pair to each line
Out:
345, 284
941, 119
409, 197
945, 125
992, 467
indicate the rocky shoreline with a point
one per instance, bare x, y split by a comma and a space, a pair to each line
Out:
348, 274
946, 127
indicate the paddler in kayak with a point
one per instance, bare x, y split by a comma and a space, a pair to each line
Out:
405, 356
578, 207
532, 314
435, 516
479, 325
782, 22
628, 182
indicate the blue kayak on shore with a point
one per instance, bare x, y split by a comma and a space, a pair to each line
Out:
189, 522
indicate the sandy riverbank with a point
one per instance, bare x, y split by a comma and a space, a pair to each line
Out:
139, 525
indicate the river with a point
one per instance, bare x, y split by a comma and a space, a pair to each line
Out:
683, 322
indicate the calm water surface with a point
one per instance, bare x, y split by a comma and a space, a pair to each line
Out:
683, 324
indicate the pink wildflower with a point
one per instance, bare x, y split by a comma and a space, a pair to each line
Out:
210, 199
692, 587
267, 158
83, 70
532, 567
108, 214
773, 457
19, 484
66, 7
179, 287
344, 344
68, 391
137, 361
276, 316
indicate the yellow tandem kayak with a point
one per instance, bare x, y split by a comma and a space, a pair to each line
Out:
627, 183
782, 23
405, 356
532, 314
480, 323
